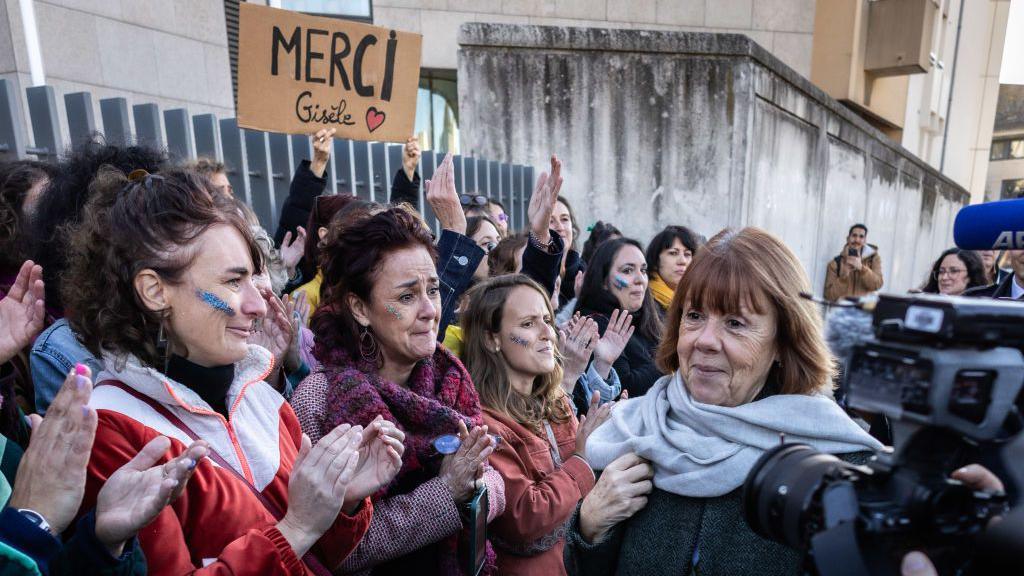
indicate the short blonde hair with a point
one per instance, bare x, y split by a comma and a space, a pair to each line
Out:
754, 268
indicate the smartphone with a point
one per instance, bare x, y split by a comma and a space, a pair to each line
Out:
473, 545
852, 252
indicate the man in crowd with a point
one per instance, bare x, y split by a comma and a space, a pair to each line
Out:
857, 270
1011, 286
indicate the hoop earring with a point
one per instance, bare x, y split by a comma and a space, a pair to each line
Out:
368, 345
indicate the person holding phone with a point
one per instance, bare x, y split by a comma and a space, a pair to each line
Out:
857, 270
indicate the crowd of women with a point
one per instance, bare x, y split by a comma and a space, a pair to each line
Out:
184, 392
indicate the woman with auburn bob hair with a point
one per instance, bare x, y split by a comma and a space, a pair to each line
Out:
747, 361
169, 303
511, 353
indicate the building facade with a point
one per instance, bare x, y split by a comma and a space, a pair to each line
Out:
1006, 161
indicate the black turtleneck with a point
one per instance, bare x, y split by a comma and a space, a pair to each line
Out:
211, 384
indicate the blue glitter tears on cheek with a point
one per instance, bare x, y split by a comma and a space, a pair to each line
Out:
517, 340
620, 282
214, 302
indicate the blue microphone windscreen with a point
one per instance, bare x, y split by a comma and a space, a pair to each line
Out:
990, 226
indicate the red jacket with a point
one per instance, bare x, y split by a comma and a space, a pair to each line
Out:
217, 526
539, 498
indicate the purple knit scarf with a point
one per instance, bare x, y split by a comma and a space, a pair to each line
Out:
439, 394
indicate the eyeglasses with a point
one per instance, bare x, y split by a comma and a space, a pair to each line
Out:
469, 200
948, 272
502, 217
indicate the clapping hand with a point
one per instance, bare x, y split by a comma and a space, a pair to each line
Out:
274, 331
459, 471
610, 346
595, 416
444, 199
22, 311
576, 343
380, 458
542, 203
134, 494
293, 249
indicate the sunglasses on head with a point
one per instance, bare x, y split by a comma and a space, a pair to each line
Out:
470, 200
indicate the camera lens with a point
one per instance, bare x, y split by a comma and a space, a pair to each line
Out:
779, 493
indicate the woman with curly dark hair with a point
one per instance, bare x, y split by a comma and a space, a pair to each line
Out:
21, 184
169, 304
376, 338
955, 271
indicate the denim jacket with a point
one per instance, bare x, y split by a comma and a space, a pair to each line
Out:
457, 258
591, 382
54, 355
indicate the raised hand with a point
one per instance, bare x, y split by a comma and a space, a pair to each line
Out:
274, 331
322, 142
595, 416
459, 471
610, 346
318, 484
444, 199
134, 494
576, 344
620, 492
411, 157
292, 250
22, 311
51, 475
542, 203
380, 458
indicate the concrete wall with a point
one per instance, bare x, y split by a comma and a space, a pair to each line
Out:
705, 130
783, 27
172, 53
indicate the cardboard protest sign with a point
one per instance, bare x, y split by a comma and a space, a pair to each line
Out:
299, 73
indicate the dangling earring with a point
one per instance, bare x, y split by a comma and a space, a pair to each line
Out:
367, 345
161, 347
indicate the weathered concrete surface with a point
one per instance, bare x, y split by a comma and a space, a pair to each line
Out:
705, 130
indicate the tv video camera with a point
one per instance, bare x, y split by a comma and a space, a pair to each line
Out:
947, 372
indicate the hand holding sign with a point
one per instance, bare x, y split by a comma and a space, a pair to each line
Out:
297, 73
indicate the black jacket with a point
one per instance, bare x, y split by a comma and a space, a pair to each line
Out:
1003, 289
636, 367
305, 187
544, 265
573, 264
404, 190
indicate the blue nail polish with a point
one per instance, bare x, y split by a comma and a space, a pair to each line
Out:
81, 381
85, 411
191, 464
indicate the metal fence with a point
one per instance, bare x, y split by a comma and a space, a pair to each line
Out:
260, 164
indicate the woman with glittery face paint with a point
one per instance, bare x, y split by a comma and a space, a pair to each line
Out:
616, 278
171, 314
511, 352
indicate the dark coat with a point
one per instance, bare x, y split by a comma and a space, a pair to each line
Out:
1002, 289
405, 190
661, 539
573, 264
543, 265
636, 366
302, 193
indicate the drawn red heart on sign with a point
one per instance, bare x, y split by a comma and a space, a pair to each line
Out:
374, 118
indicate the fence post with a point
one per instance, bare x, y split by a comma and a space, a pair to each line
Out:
179, 134
343, 176
506, 192
207, 137
428, 161
283, 167
494, 180
257, 150
235, 158
515, 209
42, 108
81, 119
469, 177
12, 133
148, 130
378, 154
457, 167
394, 158
527, 193
117, 129
363, 184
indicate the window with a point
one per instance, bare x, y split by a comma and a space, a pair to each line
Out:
351, 9
437, 111
1007, 150
1012, 189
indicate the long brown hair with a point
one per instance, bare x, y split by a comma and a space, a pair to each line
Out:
752, 267
489, 369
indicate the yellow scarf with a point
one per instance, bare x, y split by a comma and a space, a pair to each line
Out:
661, 291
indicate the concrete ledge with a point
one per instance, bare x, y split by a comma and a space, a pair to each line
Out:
548, 38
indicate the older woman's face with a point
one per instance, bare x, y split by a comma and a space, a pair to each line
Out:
725, 359
405, 306
486, 237
527, 337
673, 262
627, 279
212, 310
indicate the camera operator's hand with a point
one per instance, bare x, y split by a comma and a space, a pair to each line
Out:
917, 564
977, 477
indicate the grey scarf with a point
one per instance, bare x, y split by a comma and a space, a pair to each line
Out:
703, 450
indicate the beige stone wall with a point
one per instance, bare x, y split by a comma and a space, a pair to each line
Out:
169, 52
784, 27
